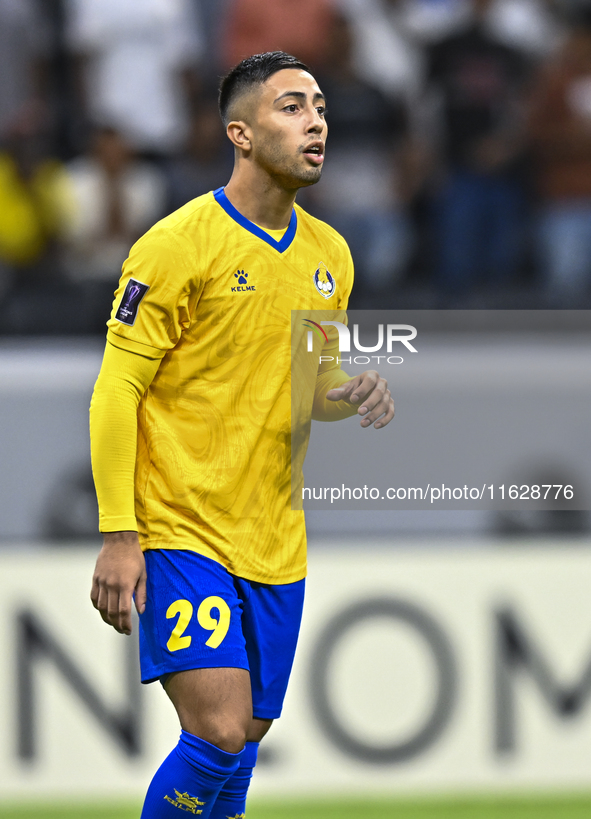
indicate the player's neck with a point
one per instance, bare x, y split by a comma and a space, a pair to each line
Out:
261, 200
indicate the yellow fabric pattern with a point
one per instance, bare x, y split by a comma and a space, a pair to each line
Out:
212, 470
275, 234
122, 381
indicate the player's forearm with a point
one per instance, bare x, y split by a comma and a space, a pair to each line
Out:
325, 410
123, 379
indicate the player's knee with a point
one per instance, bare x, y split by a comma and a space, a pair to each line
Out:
227, 731
229, 735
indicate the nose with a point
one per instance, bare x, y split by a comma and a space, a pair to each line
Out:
316, 123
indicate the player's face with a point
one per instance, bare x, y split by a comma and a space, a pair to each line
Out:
289, 129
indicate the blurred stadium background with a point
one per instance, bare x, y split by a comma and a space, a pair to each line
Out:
444, 666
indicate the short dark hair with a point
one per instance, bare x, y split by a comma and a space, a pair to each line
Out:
252, 71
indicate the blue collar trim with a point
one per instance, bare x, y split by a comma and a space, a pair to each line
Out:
280, 246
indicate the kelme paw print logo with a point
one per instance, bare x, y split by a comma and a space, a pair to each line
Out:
242, 285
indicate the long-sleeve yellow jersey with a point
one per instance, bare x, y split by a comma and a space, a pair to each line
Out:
191, 418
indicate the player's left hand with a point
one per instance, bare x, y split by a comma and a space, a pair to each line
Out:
371, 392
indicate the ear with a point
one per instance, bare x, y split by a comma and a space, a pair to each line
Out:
239, 135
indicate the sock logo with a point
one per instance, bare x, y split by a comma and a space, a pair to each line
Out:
238, 816
183, 801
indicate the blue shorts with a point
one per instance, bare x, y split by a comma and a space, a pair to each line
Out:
198, 615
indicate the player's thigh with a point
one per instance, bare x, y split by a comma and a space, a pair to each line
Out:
271, 624
214, 704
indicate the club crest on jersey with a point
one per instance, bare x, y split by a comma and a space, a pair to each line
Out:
324, 281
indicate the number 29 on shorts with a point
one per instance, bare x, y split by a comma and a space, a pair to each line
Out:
218, 627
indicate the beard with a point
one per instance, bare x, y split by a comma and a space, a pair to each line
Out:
289, 170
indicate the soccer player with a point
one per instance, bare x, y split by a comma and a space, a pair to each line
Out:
191, 437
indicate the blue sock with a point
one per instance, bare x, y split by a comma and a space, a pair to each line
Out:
231, 801
189, 779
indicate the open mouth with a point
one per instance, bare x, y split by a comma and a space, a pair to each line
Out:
315, 152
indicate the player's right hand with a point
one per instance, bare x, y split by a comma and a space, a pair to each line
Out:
120, 571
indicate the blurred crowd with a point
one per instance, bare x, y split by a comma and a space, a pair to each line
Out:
458, 163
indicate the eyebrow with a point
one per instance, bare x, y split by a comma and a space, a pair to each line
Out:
300, 95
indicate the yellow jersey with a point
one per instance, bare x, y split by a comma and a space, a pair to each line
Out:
210, 294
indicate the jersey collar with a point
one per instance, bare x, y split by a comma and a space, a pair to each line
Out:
280, 246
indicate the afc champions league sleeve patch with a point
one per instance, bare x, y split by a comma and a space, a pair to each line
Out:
324, 281
128, 307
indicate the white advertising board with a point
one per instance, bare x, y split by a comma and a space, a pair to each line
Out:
417, 671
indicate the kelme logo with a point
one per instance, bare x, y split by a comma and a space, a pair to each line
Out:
242, 284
